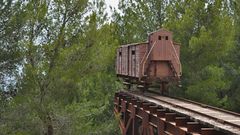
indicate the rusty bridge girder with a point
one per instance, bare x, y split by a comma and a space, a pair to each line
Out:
137, 117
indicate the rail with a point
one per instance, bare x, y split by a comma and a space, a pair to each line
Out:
222, 121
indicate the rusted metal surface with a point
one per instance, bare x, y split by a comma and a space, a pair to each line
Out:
151, 114
163, 48
128, 62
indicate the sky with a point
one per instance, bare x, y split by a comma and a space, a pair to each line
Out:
113, 3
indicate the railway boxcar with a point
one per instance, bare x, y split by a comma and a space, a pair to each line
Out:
155, 60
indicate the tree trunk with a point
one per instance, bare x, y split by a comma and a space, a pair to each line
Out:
48, 126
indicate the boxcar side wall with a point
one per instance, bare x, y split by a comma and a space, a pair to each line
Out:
130, 48
129, 60
125, 61
141, 53
132, 60
118, 61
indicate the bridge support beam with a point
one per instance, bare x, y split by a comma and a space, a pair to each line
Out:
138, 117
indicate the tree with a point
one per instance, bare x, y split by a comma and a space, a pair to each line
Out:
65, 45
137, 18
233, 61
10, 55
200, 27
205, 47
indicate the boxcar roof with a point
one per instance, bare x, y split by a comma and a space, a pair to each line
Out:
132, 44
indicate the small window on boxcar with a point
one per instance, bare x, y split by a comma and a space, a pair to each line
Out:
159, 38
120, 53
133, 52
166, 37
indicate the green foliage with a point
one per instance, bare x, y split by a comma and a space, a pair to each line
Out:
93, 114
205, 47
206, 31
60, 57
209, 89
68, 81
137, 18
10, 54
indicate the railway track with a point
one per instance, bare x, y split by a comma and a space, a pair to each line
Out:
186, 116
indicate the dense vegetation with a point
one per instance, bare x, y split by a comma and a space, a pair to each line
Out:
57, 59
209, 33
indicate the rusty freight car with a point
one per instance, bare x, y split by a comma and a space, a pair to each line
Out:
155, 60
